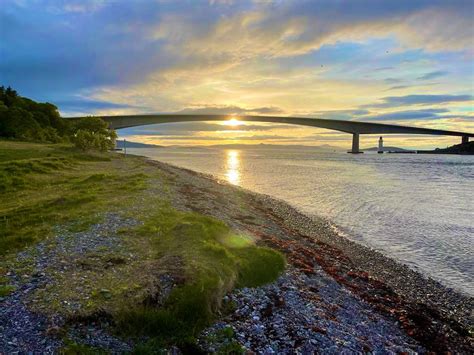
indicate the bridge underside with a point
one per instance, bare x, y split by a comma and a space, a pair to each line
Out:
353, 127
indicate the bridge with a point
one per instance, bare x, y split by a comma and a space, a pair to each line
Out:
352, 127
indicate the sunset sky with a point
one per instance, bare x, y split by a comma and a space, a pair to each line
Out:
401, 62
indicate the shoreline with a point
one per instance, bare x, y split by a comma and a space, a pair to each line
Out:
135, 231
337, 238
409, 290
434, 242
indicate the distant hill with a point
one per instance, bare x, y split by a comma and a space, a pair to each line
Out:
120, 144
464, 149
325, 147
387, 149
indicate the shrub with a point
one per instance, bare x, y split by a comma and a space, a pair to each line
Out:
87, 140
92, 133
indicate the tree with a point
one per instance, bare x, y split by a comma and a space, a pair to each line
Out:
22, 118
92, 133
19, 123
8, 96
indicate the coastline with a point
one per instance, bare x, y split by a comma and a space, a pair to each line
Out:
391, 287
134, 231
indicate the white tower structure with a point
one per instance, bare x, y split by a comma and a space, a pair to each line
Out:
380, 151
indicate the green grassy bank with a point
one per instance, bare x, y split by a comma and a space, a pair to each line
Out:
50, 190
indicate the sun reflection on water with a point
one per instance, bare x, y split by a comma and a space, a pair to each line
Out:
232, 173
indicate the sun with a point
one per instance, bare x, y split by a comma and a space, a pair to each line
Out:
233, 122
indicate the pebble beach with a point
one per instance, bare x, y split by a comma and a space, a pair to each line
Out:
336, 296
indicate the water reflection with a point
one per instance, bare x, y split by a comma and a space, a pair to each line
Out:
232, 167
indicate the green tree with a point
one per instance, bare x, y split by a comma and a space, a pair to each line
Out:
19, 123
8, 96
25, 119
22, 118
92, 133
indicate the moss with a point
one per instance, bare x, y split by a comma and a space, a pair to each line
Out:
223, 340
150, 347
257, 266
72, 348
231, 348
214, 261
159, 322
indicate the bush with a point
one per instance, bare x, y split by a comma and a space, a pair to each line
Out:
92, 133
87, 140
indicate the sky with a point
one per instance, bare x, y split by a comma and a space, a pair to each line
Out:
407, 62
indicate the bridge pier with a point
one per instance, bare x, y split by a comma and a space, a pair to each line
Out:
465, 139
355, 144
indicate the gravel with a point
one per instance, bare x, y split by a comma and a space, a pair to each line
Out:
336, 296
25, 331
307, 314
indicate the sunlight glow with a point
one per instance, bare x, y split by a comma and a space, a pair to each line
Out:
232, 167
233, 122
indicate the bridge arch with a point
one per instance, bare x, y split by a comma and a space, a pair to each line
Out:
355, 128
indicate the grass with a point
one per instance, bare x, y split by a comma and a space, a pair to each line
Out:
212, 262
46, 187
72, 348
5, 290
58, 186
225, 340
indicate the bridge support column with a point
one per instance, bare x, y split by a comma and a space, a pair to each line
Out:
465, 139
355, 144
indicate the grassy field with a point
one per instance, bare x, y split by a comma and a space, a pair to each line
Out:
47, 190
43, 186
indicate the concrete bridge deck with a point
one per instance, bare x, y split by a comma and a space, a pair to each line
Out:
353, 127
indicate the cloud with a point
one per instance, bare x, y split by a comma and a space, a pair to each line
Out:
333, 138
291, 29
88, 105
393, 80
83, 6
407, 100
433, 75
384, 68
453, 118
407, 115
214, 138
398, 87
223, 110
339, 114
93, 44
195, 127
329, 58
